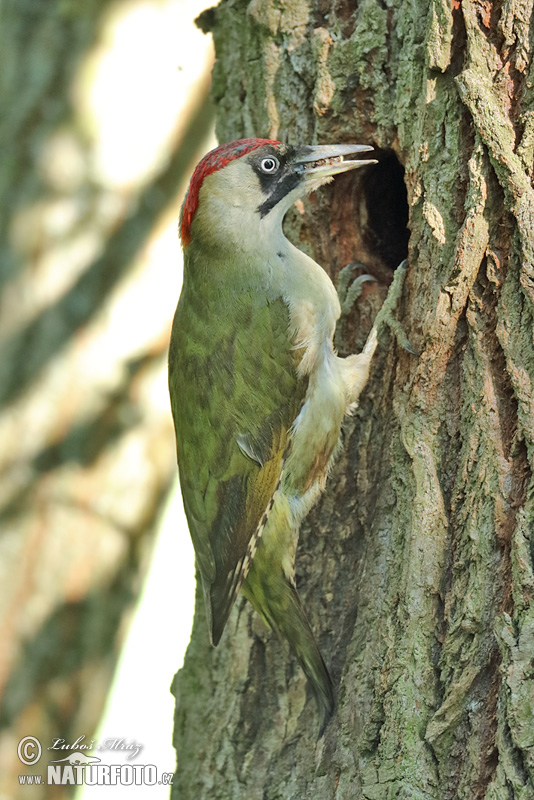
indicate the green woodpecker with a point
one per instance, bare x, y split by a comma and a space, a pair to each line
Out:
258, 394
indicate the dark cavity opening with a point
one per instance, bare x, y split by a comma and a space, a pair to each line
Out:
387, 208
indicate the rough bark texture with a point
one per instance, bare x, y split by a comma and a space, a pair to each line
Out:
87, 455
416, 567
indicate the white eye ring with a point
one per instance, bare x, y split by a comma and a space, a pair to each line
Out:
269, 164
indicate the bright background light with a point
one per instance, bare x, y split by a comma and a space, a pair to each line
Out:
132, 94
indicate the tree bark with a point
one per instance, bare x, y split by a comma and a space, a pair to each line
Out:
416, 565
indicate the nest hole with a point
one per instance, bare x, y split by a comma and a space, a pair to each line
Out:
386, 199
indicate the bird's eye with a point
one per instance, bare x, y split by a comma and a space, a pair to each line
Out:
269, 165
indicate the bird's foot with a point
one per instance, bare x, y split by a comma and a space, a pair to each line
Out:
385, 315
349, 292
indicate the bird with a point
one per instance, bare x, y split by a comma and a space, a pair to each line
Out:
258, 393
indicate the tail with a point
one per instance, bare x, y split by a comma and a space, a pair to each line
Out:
277, 601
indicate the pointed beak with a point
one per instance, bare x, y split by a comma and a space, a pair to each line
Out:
317, 164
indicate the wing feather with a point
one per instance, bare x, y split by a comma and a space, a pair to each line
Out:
234, 399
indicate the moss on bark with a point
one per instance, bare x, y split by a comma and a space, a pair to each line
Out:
416, 566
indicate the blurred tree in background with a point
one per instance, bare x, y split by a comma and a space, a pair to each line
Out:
87, 452
416, 567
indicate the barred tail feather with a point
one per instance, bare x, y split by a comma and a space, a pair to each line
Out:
278, 603
297, 630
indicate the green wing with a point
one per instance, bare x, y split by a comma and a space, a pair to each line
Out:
234, 395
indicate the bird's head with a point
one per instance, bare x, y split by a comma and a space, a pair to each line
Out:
252, 181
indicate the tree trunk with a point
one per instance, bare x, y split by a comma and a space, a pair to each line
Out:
416, 565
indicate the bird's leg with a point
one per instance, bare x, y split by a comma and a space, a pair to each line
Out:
349, 293
385, 315
356, 367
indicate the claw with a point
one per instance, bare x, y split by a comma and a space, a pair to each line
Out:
385, 315
349, 292
354, 291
